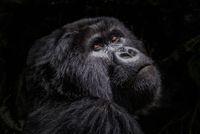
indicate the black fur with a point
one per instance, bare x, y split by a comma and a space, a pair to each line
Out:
75, 90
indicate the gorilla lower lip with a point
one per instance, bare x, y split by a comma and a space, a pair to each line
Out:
145, 67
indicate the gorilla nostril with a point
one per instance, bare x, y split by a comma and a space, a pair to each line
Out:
132, 52
125, 55
122, 49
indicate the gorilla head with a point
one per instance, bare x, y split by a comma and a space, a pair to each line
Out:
96, 57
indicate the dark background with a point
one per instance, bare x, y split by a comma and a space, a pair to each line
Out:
169, 29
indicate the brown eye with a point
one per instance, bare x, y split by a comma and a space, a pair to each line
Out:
115, 39
97, 47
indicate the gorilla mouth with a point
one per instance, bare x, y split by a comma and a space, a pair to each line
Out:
145, 68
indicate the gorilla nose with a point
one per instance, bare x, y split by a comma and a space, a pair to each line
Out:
127, 52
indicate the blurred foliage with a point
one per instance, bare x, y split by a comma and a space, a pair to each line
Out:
188, 123
169, 29
193, 46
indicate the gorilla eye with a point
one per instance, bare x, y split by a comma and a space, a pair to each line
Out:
97, 46
115, 39
115, 36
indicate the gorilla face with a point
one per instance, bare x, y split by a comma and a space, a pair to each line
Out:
96, 57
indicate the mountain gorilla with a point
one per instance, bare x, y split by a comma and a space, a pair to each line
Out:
91, 76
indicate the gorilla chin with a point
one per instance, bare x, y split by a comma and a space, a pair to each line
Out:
150, 77
91, 76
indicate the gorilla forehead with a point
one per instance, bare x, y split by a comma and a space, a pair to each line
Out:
95, 25
105, 25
